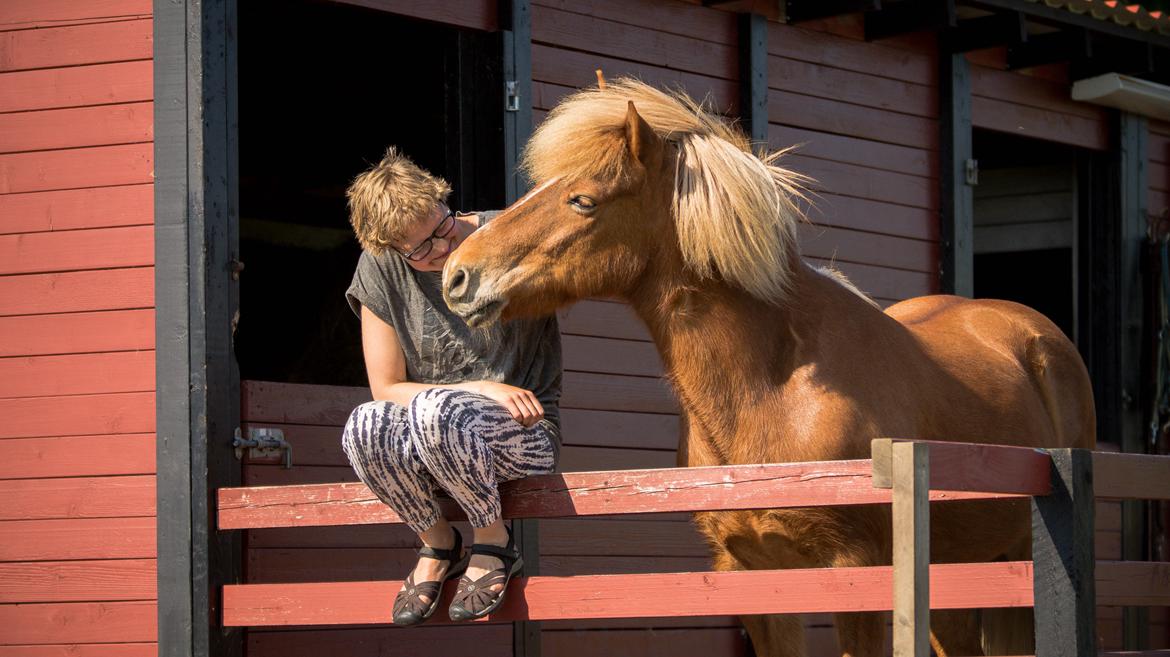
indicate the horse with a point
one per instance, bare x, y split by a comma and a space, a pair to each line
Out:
649, 197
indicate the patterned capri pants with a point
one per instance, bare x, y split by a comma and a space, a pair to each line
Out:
454, 440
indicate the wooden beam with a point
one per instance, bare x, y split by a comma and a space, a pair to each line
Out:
1002, 29
814, 590
1128, 57
1115, 55
956, 158
1133, 584
798, 11
1070, 45
1131, 476
1161, 63
753, 77
911, 528
910, 16
971, 467
1062, 549
780, 485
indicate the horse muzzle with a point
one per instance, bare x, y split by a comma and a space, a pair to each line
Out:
474, 303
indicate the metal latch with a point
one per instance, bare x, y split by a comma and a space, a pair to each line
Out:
263, 443
971, 171
511, 96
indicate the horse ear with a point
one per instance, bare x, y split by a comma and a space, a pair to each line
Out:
644, 144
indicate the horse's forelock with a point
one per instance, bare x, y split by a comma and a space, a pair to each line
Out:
736, 214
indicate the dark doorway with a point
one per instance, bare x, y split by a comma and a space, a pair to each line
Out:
1039, 278
323, 90
1025, 225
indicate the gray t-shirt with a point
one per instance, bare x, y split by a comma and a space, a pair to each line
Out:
441, 348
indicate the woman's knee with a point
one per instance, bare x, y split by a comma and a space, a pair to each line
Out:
436, 411
362, 423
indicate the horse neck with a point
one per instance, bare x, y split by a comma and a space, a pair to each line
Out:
728, 354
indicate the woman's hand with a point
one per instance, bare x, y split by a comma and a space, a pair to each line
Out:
521, 403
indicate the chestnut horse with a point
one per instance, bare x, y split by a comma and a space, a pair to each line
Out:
648, 197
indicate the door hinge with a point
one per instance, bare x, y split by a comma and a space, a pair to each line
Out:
511, 96
263, 443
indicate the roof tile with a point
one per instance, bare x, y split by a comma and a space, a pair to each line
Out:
1126, 15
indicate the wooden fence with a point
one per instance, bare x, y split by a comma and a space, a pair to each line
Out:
1063, 582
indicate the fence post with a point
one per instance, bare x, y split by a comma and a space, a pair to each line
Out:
905, 467
911, 528
1062, 553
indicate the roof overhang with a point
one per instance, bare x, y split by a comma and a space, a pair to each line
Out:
1092, 36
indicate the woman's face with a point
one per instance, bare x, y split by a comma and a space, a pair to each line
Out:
431, 240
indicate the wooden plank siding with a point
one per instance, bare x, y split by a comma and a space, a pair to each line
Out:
77, 486
1032, 103
865, 119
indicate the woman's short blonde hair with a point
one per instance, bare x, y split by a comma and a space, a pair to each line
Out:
387, 200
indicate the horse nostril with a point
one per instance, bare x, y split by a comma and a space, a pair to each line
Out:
457, 285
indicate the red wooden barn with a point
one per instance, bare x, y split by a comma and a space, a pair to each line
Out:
174, 247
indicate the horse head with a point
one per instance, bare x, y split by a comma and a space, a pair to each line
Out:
630, 177
569, 238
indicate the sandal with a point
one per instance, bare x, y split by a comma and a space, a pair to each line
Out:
476, 599
409, 607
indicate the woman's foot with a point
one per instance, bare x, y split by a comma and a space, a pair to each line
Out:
442, 550
432, 570
481, 564
481, 590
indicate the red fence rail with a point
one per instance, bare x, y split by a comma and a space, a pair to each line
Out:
735, 487
944, 471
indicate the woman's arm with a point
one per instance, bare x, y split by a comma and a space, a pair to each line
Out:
386, 369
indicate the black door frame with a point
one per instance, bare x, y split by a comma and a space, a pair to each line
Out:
196, 295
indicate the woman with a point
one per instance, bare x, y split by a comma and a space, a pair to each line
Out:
455, 408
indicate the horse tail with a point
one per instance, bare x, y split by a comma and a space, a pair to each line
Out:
1062, 381
1007, 631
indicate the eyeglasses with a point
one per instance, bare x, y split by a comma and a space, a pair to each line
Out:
420, 252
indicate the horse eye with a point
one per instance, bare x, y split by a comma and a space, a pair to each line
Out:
582, 203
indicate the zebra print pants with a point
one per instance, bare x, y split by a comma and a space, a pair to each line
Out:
461, 442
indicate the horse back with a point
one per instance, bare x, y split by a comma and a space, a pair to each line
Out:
1021, 373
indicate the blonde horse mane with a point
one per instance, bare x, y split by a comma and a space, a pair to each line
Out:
735, 212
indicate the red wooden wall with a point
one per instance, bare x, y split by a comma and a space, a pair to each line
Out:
77, 497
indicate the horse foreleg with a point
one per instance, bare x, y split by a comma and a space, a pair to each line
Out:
861, 634
955, 632
775, 635
772, 635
